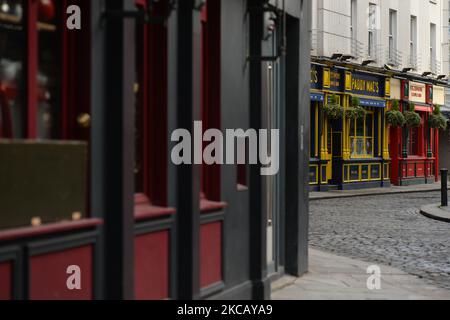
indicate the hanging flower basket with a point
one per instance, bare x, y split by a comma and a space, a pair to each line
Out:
412, 118
437, 119
333, 110
395, 117
355, 111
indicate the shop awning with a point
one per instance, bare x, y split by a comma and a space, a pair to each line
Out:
372, 103
317, 96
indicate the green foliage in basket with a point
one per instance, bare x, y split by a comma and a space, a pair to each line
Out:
412, 117
437, 119
355, 111
333, 110
395, 117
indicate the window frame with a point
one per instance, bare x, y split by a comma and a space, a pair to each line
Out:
353, 137
393, 31
413, 41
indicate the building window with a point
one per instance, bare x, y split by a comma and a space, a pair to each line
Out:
373, 18
42, 48
413, 43
353, 27
362, 136
393, 59
433, 61
45, 92
413, 142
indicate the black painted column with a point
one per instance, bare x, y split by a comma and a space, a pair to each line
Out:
297, 184
258, 223
184, 99
113, 55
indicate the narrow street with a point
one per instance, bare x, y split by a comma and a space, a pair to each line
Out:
385, 229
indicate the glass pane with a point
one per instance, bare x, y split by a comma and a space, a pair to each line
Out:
369, 125
49, 73
369, 147
360, 127
353, 146
12, 75
360, 146
414, 145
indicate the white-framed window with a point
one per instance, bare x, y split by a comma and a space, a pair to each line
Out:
433, 61
392, 36
373, 18
353, 19
354, 27
413, 42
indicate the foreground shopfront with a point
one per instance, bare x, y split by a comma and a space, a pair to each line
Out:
135, 224
348, 153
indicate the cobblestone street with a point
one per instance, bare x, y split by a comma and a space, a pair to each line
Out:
385, 229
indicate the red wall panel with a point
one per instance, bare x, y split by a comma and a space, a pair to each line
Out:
420, 170
48, 277
6, 281
210, 254
152, 266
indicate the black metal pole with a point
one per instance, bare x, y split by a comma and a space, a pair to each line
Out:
444, 194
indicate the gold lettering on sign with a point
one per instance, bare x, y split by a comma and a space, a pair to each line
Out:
314, 76
365, 85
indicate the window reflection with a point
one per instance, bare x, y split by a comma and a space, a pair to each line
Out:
12, 49
48, 78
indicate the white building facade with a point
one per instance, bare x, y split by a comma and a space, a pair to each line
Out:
399, 33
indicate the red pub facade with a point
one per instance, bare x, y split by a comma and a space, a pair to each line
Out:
415, 150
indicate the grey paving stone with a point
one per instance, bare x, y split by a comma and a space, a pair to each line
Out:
385, 229
333, 277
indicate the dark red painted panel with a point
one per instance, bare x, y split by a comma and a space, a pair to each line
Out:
6, 281
151, 263
411, 172
48, 277
210, 254
420, 170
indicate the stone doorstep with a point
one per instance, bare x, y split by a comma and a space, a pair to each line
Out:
436, 212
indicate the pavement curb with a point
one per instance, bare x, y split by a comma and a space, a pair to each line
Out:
434, 211
376, 193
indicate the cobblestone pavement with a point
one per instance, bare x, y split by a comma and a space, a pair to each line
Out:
385, 229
